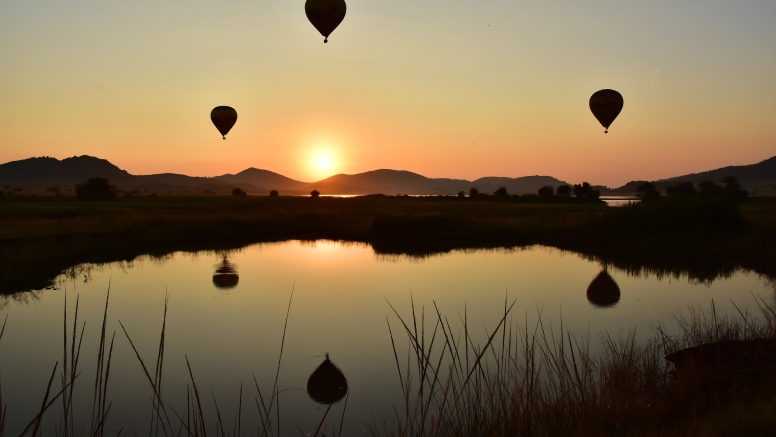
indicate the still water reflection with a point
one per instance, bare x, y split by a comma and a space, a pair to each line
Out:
230, 328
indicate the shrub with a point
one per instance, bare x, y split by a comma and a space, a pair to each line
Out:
586, 191
563, 190
709, 189
474, 192
501, 191
682, 189
273, 193
315, 193
546, 191
238, 192
647, 192
733, 189
461, 194
96, 189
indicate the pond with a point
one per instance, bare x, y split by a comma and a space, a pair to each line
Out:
227, 311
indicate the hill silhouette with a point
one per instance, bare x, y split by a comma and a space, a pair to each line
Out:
757, 178
43, 172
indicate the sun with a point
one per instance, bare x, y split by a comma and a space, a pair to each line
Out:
323, 163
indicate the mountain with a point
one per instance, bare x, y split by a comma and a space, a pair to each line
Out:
522, 185
388, 182
758, 178
43, 172
262, 178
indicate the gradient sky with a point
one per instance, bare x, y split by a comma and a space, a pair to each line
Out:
451, 88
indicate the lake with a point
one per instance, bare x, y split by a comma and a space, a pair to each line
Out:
227, 312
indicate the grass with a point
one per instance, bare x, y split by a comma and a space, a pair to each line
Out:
523, 381
43, 236
535, 381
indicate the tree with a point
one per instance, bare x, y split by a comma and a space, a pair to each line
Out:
501, 191
96, 189
474, 192
709, 188
682, 189
546, 191
315, 193
273, 193
733, 189
238, 192
647, 192
461, 194
563, 190
586, 192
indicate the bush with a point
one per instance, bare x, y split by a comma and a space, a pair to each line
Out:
733, 189
238, 192
461, 194
682, 189
647, 192
96, 189
273, 193
586, 191
474, 192
563, 190
315, 193
501, 191
709, 189
546, 191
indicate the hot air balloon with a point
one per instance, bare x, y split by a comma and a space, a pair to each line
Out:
606, 106
327, 384
325, 15
603, 292
224, 117
226, 276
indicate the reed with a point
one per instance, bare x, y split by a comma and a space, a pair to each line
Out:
541, 381
537, 380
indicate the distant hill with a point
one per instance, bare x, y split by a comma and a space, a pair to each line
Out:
262, 178
758, 178
43, 172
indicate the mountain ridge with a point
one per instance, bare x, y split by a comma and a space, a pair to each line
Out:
43, 172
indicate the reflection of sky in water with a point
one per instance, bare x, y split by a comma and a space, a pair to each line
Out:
339, 308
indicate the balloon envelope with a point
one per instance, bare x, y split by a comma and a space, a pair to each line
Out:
325, 15
606, 106
224, 117
327, 384
603, 292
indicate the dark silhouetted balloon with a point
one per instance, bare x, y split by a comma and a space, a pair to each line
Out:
325, 15
327, 384
606, 106
224, 117
603, 292
225, 276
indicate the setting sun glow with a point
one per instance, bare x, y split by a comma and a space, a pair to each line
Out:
323, 163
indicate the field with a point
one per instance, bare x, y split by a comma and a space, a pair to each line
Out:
41, 236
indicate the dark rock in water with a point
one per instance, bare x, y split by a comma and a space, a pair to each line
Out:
226, 276
726, 364
327, 384
603, 292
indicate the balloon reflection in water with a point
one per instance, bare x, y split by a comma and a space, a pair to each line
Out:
327, 384
603, 292
225, 276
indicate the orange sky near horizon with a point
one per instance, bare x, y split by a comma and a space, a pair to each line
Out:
445, 89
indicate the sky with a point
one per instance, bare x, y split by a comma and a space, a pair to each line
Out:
452, 88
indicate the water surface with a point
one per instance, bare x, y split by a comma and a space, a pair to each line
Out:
231, 329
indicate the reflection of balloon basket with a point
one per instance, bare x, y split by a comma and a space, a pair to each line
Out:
226, 280
226, 276
327, 384
603, 292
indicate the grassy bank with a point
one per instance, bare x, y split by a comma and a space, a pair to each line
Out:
537, 380
41, 236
